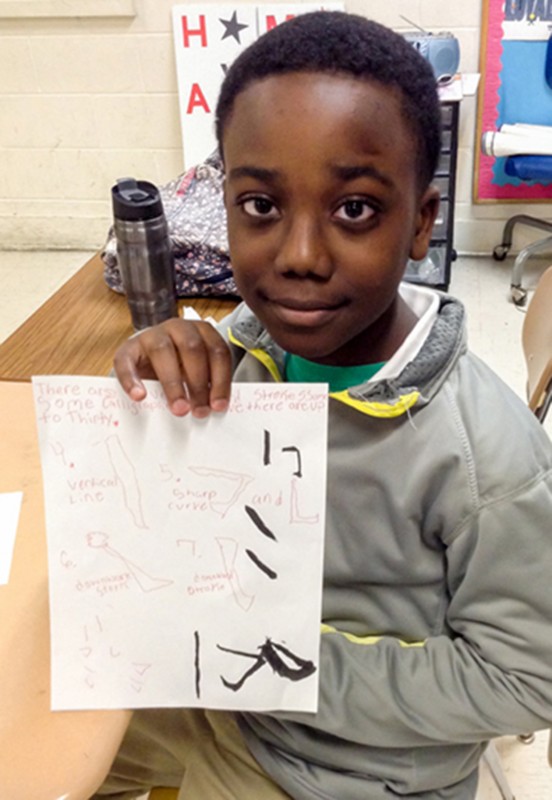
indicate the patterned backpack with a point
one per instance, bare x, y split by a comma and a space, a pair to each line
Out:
196, 218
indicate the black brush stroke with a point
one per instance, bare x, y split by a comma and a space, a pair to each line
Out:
257, 521
258, 563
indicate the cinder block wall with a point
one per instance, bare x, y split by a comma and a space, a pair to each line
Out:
87, 99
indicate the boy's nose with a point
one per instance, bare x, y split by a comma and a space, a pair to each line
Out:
302, 249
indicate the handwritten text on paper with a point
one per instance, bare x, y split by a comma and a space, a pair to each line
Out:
185, 556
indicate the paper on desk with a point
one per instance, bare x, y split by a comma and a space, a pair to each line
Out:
470, 82
185, 556
462, 85
10, 506
189, 313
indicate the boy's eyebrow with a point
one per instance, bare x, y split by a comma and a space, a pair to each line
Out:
343, 173
260, 173
361, 171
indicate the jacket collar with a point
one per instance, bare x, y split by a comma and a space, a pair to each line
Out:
414, 386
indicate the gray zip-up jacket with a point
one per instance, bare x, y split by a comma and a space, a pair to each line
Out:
437, 603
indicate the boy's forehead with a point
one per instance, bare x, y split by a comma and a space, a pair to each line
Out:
312, 81
316, 103
275, 94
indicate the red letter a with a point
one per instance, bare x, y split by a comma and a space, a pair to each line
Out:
197, 100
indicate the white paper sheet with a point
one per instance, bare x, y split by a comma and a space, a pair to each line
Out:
185, 556
10, 506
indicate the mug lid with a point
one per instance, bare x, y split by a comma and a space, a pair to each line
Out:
135, 200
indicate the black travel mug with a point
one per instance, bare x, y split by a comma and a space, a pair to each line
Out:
144, 252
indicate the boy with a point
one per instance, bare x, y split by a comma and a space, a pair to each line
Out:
434, 640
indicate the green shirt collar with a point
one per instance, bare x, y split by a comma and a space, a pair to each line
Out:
299, 370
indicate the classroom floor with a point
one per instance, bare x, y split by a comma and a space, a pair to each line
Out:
27, 279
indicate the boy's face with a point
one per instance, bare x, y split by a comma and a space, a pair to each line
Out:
324, 210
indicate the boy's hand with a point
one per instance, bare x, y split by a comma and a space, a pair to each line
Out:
190, 359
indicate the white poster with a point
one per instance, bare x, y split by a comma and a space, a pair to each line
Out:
527, 20
185, 556
207, 38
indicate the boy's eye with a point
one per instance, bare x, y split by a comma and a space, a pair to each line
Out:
259, 207
354, 211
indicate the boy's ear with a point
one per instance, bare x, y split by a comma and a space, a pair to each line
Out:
427, 212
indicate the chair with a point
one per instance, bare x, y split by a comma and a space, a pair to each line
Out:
525, 167
537, 347
526, 164
492, 759
517, 291
163, 794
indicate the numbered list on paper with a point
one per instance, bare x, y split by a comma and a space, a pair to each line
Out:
185, 556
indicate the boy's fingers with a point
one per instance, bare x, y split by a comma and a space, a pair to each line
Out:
191, 361
221, 374
207, 368
162, 350
125, 364
152, 354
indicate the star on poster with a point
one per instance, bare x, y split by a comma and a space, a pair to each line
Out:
233, 27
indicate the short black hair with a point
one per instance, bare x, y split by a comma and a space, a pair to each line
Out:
336, 42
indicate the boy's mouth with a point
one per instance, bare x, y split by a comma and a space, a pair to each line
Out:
303, 313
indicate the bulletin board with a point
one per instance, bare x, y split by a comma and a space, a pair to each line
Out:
513, 89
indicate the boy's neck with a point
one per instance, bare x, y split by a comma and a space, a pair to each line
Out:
383, 338
392, 328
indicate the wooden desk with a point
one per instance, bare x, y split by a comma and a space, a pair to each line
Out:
43, 754
77, 331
